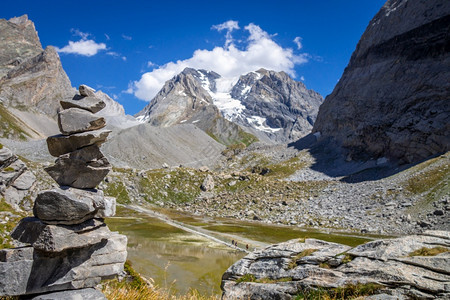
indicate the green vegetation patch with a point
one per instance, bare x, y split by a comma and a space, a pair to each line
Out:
118, 190
226, 228
8, 169
430, 180
350, 291
136, 280
252, 278
247, 138
246, 278
285, 168
5, 229
234, 149
10, 125
294, 260
9, 298
423, 181
424, 251
177, 186
347, 258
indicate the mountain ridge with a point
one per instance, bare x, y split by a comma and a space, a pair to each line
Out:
265, 103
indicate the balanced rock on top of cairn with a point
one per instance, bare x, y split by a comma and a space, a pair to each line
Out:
71, 248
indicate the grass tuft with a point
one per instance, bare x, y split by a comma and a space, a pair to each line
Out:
252, 278
137, 288
347, 258
350, 291
307, 252
424, 251
246, 278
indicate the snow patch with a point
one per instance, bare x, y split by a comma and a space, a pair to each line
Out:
143, 119
258, 123
229, 107
246, 90
204, 80
258, 75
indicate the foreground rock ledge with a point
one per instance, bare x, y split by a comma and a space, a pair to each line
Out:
29, 271
283, 271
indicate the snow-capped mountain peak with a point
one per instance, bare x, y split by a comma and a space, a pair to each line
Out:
269, 104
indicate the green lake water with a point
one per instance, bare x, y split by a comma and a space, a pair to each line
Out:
180, 260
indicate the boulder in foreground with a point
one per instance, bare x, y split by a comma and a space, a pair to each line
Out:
410, 267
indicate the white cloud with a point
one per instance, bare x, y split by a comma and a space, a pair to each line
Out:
298, 42
107, 37
127, 37
82, 47
229, 26
82, 35
151, 64
302, 78
229, 61
116, 55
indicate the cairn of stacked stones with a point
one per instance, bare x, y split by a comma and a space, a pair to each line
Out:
69, 249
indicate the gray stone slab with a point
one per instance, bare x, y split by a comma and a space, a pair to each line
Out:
84, 168
62, 144
57, 238
72, 206
91, 104
75, 120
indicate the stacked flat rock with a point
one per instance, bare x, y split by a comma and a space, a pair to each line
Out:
70, 248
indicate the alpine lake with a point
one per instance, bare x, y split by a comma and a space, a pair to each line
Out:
178, 260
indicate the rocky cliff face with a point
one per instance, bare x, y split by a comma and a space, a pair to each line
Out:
19, 41
185, 100
30, 78
275, 104
393, 98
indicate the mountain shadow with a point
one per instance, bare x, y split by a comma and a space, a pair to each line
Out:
331, 160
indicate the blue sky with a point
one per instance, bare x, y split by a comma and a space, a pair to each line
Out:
129, 48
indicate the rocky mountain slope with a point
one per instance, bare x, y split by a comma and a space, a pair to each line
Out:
267, 104
149, 147
184, 99
275, 105
393, 98
31, 78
